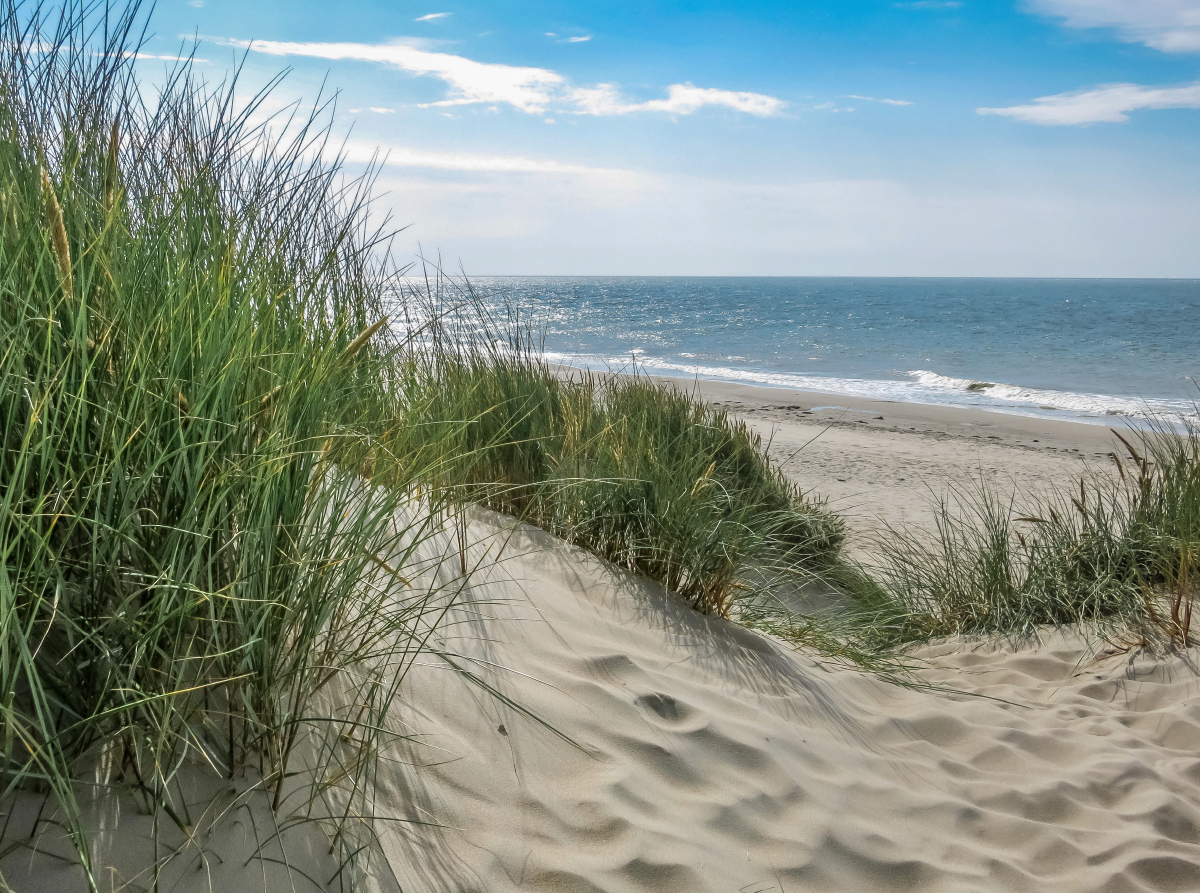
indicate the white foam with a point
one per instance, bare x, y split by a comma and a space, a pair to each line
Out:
1084, 404
922, 386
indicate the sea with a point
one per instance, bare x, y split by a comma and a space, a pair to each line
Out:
1086, 350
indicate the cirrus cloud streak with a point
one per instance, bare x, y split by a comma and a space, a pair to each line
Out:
874, 99
532, 90
1172, 26
360, 151
1109, 103
682, 99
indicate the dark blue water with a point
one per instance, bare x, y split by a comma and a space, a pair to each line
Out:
1082, 348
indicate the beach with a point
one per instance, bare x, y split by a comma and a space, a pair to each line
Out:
674, 752
610, 739
327, 571
881, 463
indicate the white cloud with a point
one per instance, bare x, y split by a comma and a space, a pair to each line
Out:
682, 99
361, 151
199, 4
1107, 103
1172, 26
533, 90
578, 39
529, 89
162, 57
884, 101
431, 16
379, 110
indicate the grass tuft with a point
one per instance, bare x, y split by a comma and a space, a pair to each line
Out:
1121, 554
188, 581
649, 477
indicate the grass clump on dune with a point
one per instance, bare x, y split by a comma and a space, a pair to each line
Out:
187, 307
648, 477
1121, 553
199, 410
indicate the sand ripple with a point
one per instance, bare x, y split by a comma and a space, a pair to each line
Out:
688, 755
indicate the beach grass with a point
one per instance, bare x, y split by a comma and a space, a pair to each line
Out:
1117, 553
192, 368
649, 477
220, 462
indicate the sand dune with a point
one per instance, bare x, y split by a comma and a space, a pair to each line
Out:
681, 753
630, 744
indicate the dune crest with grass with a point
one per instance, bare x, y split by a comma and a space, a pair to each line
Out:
674, 751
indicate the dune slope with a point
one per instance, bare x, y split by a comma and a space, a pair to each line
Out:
614, 740
681, 753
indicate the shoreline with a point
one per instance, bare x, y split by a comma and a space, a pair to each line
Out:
928, 389
804, 406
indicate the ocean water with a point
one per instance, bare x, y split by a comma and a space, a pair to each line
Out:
1081, 349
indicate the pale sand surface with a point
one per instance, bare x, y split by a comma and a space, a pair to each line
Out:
703, 757
237, 845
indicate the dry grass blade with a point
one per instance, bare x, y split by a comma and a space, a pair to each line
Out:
1132, 451
110, 170
360, 342
58, 234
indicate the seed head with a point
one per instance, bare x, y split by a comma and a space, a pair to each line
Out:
58, 234
358, 343
110, 172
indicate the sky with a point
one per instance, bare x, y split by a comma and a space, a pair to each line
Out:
922, 138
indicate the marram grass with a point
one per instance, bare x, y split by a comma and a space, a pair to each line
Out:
209, 435
649, 477
189, 318
1118, 553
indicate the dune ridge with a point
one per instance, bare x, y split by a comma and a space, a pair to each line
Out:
684, 753
614, 740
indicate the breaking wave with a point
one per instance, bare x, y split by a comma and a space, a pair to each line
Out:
920, 386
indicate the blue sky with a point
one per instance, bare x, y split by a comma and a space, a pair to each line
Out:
1013, 137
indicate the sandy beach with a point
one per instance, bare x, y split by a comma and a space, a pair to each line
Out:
674, 752
881, 462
